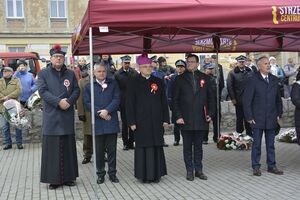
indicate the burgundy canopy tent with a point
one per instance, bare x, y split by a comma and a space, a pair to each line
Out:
173, 26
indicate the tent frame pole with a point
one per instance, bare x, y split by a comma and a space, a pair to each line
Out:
218, 95
92, 101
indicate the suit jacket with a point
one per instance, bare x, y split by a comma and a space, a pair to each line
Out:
262, 101
108, 99
190, 97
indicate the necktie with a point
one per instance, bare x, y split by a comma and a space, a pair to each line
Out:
266, 79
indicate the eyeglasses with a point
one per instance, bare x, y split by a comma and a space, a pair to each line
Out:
127, 63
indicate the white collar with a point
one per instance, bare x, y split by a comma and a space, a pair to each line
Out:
264, 76
100, 82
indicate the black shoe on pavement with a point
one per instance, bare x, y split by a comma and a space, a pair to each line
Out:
100, 180
70, 183
8, 146
176, 143
256, 172
190, 176
201, 175
131, 146
275, 171
166, 145
86, 160
53, 186
125, 148
20, 146
114, 179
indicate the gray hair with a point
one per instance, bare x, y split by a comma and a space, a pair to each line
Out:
260, 59
98, 65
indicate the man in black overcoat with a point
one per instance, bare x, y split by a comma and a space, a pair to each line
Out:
193, 106
236, 83
122, 76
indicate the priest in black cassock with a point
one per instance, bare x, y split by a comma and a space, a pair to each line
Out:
147, 114
59, 90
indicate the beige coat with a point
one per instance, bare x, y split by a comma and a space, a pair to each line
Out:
81, 109
12, 90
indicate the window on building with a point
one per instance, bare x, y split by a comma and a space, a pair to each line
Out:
14, 8
16, 49
57, 8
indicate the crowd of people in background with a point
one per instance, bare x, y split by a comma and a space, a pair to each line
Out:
144, 94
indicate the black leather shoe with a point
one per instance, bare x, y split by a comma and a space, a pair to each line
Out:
100, 180
201, 175
8, 146
156, 180
275, 171
125, 148
176, 143
70, 183
166, 145
190, 176
53, 186
114, 179
256, 172
86, 160
20, 146
131, 146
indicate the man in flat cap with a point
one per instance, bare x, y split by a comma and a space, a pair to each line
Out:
180, 69
122, 76
59, 90
236, 83
147, 114
10, 88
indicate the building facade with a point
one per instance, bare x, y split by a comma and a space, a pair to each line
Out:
36, 25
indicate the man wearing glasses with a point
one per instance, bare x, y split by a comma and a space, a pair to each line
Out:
236, 83
59, 90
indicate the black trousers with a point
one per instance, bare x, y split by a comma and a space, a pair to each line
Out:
176, 132
127, 133
241, 121
106, 143
192, 150
87, 146
215, 127
176, 129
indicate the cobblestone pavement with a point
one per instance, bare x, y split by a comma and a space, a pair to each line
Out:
229, 176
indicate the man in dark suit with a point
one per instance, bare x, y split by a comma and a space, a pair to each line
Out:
236, 83
263, 107
122, 76
193, 104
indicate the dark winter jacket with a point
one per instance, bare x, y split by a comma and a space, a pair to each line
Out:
104, 98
